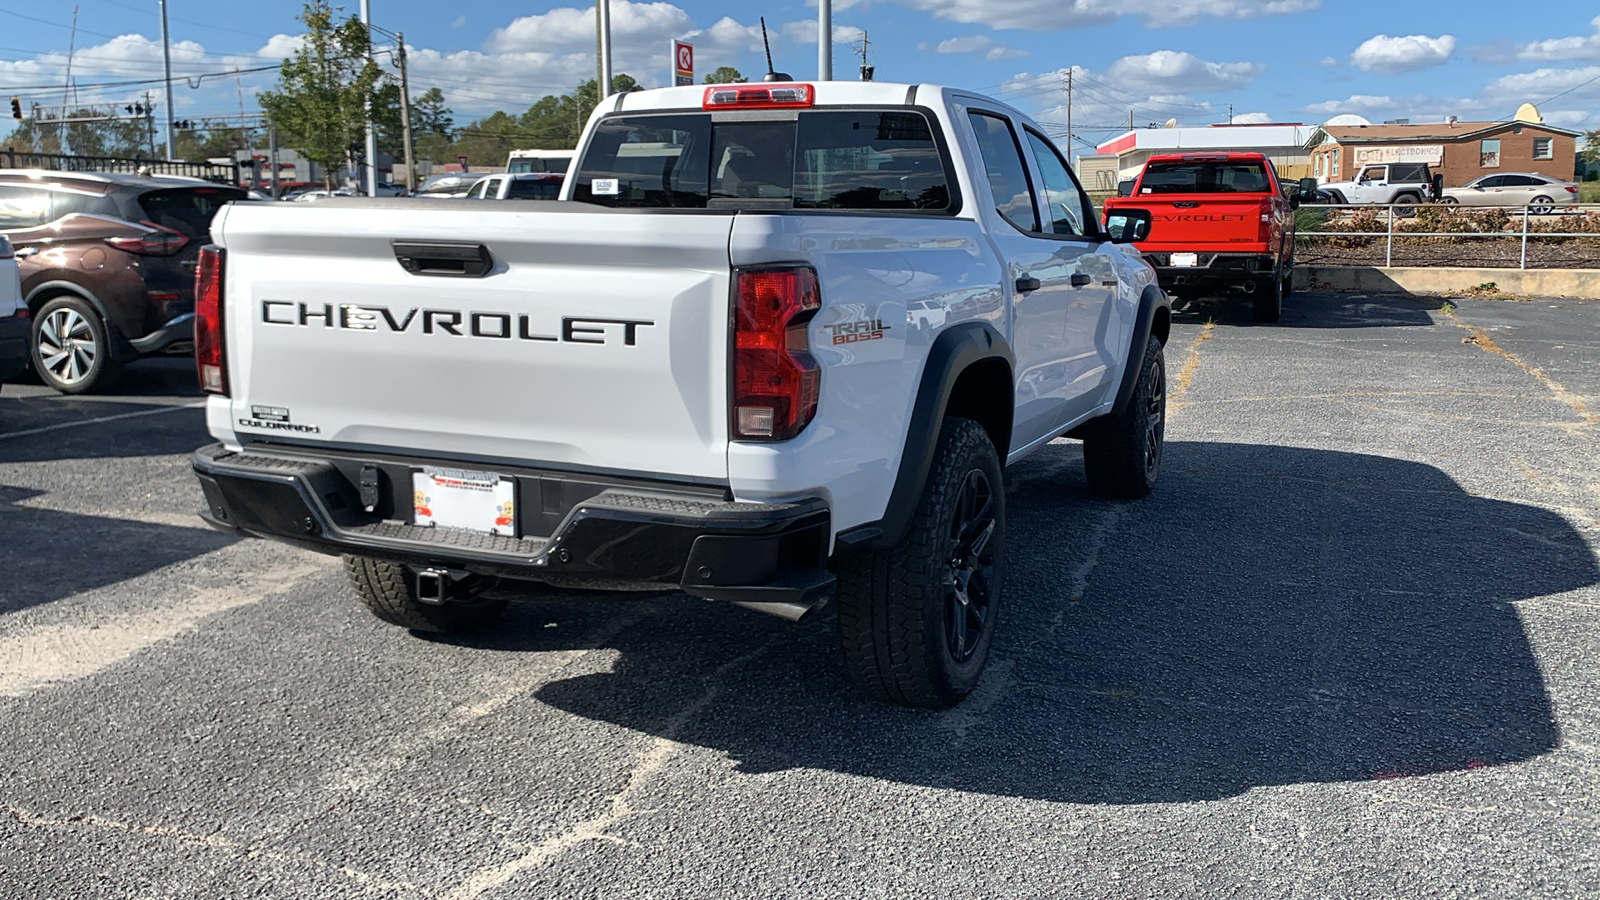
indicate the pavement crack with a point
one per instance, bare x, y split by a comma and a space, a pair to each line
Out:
1191, 362
619, 806
213, 841
1481, 338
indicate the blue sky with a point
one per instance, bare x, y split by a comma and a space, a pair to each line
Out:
1271, 60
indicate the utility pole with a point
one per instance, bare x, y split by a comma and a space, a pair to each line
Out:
371, 180
1069, 112
866, 70
150, 122
824, 40
1130, 120
599, 51
272, 156
604, 87
166, 61
405, 112
1230, 113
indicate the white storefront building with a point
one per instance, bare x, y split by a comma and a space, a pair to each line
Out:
1283, 144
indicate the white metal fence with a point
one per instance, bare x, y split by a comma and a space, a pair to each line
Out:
1396, 220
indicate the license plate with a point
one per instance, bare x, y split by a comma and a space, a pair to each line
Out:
457, 498
1185, 259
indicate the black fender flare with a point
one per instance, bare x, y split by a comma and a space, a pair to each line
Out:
1153, 300
957, 348
120, 348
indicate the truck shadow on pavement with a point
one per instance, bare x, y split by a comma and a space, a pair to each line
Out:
49, 555
1312, 310
1271, 615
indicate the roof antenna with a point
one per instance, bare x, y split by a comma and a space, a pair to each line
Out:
771, 75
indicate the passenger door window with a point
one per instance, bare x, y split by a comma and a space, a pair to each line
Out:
1008, 174
23, 207
1067, 209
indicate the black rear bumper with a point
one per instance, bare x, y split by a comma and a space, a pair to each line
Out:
602, 532
1216, 271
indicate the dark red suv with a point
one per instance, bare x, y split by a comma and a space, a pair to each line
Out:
107, 264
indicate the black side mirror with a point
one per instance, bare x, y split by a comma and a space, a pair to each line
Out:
1128, 226
1308, 185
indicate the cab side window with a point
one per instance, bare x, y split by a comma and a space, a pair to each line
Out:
1008, 174
1068, 209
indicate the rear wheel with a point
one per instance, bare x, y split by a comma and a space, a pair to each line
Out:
916, 620
1267, 300
1449, 201
1122, 452
389, 590
1406, 212
72, 347
1541, 206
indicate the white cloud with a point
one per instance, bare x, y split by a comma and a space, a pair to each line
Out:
805, 32
1055, 15
1252, 118
458, 22
1328, 61
1174, 71
1584, 48
564, 28
1392, 55
978, 43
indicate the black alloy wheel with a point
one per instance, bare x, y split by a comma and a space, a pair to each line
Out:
969, 578
1154, 394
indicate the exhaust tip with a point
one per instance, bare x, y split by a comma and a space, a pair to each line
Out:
1249, 287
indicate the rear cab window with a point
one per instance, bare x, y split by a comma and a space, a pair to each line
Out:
534, 188
1205, 177
187, 210
815, 159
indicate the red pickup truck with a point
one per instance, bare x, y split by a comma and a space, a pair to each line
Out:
1225, 224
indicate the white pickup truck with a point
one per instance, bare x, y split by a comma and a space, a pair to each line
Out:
710, 367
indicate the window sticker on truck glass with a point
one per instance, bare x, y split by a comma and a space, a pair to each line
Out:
605, 187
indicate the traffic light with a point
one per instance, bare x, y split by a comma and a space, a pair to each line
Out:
16, 108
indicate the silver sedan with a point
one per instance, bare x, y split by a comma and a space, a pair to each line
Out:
1540, 193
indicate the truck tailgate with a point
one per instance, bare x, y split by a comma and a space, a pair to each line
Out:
1198, 221
597, 340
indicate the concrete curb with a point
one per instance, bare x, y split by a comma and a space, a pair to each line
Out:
1434, 281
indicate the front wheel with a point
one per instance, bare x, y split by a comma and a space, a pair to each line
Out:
916, 620
1122, 451
1541, 206
72, 347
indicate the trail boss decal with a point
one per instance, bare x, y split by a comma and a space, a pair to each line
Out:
491, 325
855, 332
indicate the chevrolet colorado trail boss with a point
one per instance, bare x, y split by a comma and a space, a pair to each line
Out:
1223, 222
696, 371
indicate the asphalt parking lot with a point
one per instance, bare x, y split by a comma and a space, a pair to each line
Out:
1349, 648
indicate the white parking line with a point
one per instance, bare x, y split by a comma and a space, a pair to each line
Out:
131, 415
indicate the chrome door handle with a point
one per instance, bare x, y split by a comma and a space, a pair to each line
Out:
25, 252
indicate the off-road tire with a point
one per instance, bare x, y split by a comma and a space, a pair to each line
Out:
894, 604
1405, 212
1267, 300
388, 590
1288, 277
1122, 452
89, 364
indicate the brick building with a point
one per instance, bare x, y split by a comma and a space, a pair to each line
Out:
1461, 151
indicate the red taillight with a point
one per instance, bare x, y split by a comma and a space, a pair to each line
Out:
161, 242
1264, 231
1572, 189
208, 321
775, 380
758, 96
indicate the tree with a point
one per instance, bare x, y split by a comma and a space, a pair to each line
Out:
212, 139
1591, 147
113, 135
726, 75
432, 123
324, 91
